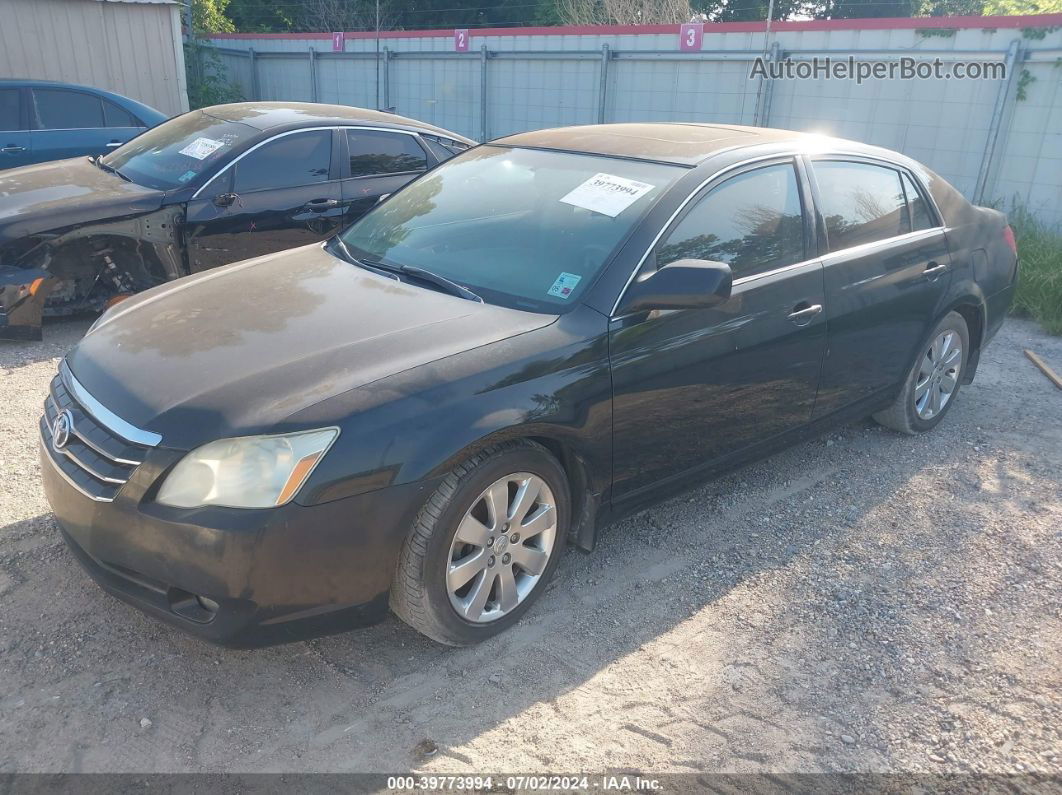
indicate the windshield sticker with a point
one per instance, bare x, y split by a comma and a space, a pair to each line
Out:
187, 175
202, 148
562, 288
607, 194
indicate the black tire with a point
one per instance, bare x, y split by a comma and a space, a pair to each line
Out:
902, 415
419, 593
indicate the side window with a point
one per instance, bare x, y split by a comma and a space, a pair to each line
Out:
373, 152
861, 203
9, 117
113, 116
67, 110
287, 162
753, 222
921, 218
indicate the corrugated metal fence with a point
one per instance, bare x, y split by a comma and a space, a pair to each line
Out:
995, 139
133, 48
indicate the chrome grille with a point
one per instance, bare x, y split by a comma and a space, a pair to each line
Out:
95, 459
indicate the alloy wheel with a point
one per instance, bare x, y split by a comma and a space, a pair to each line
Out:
501, 548
938, 375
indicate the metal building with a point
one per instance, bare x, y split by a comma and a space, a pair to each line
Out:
132, 47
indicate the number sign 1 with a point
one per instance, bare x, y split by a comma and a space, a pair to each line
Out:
339, 41
691, 35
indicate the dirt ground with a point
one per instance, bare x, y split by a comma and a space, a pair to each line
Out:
862, 602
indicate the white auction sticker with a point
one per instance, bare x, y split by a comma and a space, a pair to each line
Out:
202, 148
607, 194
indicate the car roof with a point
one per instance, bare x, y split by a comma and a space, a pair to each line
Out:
15, 82
681, 143
268, 115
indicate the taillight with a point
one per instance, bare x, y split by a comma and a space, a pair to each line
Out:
1008, 235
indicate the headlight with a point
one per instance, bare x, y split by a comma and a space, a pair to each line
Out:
246, 472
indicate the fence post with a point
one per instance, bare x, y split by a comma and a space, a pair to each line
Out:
254, 73
313, 74
603, 88
994, 142
387, 79
766, 88
482, 92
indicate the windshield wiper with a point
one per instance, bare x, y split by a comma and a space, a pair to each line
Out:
100, 164
393, 271
439, 281
346, 254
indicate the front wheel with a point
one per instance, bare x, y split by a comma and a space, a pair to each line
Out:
933, 381
484, 545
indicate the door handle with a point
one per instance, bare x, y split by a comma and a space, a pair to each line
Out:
935, 268
803, 313
12, 150
320, 205
114, 144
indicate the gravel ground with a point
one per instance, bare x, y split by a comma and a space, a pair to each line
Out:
862, 602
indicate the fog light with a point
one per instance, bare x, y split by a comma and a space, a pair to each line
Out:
207, 604
200, 609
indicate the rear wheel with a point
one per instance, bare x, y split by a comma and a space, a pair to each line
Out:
933, 381
484, 545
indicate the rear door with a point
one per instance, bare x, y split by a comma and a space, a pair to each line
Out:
69, 123
16, 145
282, 194
377, 163
886, 269
694, 387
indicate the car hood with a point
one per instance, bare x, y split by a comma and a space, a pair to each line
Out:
66, 193
239, 349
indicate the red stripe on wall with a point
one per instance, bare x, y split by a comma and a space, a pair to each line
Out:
887, 23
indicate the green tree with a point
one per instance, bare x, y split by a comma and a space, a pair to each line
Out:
207, 82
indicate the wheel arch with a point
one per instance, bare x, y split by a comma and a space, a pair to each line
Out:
566, 452
973, 310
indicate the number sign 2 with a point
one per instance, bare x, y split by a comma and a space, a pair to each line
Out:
461, 40
691, 35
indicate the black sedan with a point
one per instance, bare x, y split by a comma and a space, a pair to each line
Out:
541, 335
204, 189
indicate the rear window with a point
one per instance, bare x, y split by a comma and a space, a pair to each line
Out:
373, 152
67, 110
921, 218
118, 117
861, 203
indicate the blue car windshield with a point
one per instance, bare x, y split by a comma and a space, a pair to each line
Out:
524, 228
178, 151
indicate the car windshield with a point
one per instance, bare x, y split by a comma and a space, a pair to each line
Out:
523, 228
177, 151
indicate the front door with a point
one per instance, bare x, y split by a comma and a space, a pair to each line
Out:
279, 196
16, 147
692, 387
886, 273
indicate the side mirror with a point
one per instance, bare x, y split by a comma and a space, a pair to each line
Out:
683, 284
225, 199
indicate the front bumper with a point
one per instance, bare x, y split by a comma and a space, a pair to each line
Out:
238, 577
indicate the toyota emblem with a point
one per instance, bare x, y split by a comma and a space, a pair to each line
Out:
62, 427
